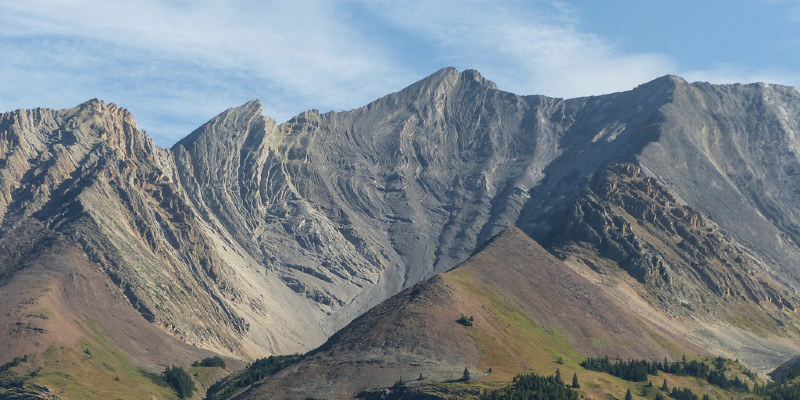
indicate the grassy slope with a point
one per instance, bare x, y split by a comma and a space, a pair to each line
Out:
96, 369
524, 346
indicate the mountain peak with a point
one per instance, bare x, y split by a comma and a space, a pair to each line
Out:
225, 125
440, 84
666, 82
474, 75
101, 107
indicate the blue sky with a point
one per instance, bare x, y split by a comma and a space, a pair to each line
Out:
176, 64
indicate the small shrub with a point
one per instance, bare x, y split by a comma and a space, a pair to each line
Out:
215, 361
463, 320
399, 384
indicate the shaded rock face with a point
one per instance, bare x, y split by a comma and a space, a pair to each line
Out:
786, 371
635, 221
731, 151
251, 237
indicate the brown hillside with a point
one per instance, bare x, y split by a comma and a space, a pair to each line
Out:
528, 307
52, 296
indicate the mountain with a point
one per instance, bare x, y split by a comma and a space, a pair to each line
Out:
250, 237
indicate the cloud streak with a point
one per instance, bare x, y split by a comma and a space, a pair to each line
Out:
176, 64
301, 51
526, 50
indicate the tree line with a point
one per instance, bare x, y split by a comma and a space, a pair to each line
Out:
637, 370
258, 370
535, 387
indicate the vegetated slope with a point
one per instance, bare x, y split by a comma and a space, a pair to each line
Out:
250, 237
528, 310
786, 371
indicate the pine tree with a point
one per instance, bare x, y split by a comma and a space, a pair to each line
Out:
664, 387
558, 374
628, 395
466, 377
180, 381
575, 383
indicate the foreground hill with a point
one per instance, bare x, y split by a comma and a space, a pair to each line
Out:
528, 311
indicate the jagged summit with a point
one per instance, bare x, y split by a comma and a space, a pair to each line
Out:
668, 80
225, 124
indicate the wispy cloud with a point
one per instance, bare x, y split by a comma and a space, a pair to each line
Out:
525, 49
182, 53
176, 64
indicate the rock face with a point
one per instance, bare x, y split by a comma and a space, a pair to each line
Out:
250, 237
731, 151
634, 221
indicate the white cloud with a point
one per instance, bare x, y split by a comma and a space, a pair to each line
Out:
303, 51
526, 49
176, 64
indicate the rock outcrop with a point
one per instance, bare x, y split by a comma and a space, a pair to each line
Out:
636, 222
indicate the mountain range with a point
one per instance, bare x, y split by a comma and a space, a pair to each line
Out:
642, 224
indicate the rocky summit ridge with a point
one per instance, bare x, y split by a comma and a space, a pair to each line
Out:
250, 237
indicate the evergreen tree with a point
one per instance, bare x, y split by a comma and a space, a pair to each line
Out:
628, 395
180, 381
466, 377
575, 383
215, 361
558, 374
463, 320
664, 387
259, 369
533, 387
